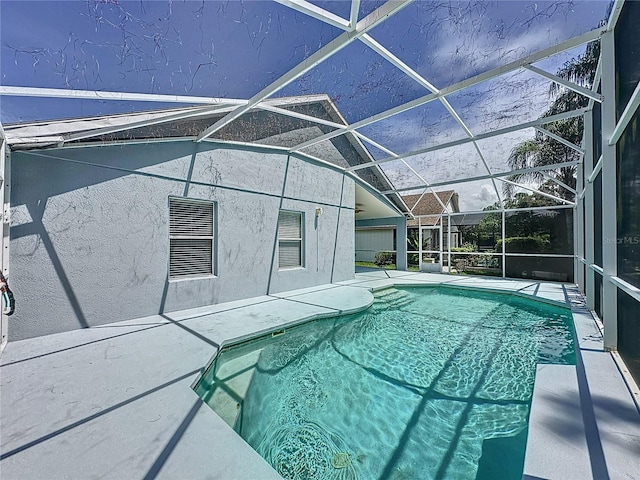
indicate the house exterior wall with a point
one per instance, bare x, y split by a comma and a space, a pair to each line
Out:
400, 226
371, 241
90, 233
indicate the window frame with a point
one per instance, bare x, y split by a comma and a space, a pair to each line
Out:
212, 238
299, 239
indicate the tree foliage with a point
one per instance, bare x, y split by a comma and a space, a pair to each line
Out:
542, 150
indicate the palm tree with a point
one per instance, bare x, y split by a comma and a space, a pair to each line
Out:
543, 150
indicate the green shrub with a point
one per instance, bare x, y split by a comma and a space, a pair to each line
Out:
465, 247
524, 245
385, 258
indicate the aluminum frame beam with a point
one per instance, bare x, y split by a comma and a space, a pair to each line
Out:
565, 83
560, 139
596, 170
353, 14
407, 70
558, 182
626, 116
495, 72
363, 26
484, 177
316, 12
548, 195
482, 136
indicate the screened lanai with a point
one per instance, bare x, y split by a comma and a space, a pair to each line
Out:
179, 175
518, 107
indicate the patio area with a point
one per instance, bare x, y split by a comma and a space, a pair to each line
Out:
115, 401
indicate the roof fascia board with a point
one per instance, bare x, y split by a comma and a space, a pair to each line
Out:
143, 123
363, 26
482, 136
495, 72
106, 95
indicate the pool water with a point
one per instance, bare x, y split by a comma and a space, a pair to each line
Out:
430, 382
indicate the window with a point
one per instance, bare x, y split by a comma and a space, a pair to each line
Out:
290, 239
190, 237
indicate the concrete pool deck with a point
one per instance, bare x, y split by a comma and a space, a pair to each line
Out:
115, 401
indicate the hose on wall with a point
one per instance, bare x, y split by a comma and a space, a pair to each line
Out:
7, 296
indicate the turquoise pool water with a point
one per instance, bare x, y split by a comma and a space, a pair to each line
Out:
430, 382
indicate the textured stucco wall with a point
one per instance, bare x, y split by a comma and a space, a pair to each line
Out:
89, 235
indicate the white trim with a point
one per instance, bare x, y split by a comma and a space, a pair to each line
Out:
143, 123
108, 95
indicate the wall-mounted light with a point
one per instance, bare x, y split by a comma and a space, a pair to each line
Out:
318, 211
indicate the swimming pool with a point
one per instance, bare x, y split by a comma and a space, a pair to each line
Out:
429, 382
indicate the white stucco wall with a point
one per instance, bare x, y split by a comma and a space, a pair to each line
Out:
90, 243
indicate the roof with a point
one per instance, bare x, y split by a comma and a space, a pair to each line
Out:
429, 205
283, 123
428, 208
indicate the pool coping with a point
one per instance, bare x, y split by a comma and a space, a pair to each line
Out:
116, 410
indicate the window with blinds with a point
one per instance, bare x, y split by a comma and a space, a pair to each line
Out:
290, 239
191, 231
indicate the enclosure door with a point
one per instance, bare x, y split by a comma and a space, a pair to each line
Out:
430, 244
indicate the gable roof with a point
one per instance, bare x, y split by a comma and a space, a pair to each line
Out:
429, 205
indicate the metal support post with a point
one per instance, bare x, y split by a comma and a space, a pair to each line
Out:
504, 257
449, 241
589, 226
609, 194
578, 230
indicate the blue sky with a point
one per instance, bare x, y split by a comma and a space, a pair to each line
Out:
235, 48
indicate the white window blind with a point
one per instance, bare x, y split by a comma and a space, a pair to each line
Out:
289, 239
191, 233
